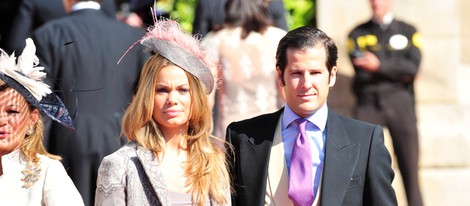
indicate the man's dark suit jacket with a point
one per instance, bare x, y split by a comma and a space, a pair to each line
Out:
32, 14
80, 54
357, 165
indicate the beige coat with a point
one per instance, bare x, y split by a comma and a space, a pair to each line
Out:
131, 176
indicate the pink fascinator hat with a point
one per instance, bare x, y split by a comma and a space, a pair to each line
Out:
167, 39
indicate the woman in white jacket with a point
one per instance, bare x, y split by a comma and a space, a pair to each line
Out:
29, 175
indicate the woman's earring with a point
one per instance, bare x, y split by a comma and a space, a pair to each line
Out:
29, 131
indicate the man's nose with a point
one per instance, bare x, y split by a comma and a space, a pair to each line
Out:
305, 80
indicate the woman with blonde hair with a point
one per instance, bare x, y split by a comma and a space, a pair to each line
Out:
172, 158
29, 175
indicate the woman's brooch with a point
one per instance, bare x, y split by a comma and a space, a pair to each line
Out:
31, 174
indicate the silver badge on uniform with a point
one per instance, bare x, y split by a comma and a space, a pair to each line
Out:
398, 42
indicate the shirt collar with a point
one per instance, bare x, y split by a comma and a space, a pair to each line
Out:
86, 5
11, 160
387, 19
318, 118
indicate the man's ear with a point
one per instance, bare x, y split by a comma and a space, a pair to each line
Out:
333, 76
280, 78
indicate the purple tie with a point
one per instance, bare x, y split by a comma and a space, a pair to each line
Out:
300, 173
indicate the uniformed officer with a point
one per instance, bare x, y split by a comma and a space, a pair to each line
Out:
385, 53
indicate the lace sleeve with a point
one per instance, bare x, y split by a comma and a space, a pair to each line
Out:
111, 182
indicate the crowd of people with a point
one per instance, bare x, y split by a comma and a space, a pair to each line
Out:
97, 108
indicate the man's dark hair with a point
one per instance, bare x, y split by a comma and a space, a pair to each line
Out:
303, 38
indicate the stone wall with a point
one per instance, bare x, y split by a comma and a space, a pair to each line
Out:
443, 100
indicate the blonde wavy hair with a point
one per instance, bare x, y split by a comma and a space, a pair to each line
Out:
207, 167
33, 144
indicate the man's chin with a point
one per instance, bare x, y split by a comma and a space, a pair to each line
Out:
306, 109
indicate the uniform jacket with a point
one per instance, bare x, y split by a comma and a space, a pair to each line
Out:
398, 48
356, 169
131, 176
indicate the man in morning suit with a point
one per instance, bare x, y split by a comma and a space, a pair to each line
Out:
334, 160
80, 53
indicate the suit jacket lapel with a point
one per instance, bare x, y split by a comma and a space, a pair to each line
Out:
254, 159
340, 161
149, 163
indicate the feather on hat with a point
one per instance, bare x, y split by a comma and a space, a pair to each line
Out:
26, 77
166, 38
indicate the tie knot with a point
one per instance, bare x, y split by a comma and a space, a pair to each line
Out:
301, 123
